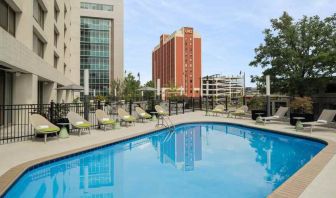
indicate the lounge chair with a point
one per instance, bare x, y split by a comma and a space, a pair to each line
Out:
103, 119
42, 126
219, 109
326, 117
161, 111
126, 117
279, 115
142, 114
241, 111
78, 122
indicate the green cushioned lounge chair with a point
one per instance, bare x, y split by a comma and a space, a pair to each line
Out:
78, 122
241, 111
104, 119
219, 109
161, 111
126, 117
42, 126
143, 115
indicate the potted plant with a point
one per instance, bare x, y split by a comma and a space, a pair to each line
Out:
257, 105
301, 107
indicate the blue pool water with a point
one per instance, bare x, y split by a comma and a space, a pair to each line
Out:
198, 160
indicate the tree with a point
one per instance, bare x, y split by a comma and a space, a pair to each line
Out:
126, 88
299, 56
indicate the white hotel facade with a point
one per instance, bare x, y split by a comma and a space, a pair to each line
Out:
43, 46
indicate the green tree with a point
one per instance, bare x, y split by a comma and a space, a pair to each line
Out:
299, 56
130, 86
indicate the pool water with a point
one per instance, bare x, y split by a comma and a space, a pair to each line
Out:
197, 160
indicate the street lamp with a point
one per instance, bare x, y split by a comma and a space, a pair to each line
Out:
207, 94
243, 86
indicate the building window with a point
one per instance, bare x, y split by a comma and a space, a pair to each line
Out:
64, 69
55, 38
55, 61
38, 13
38, 46
56, 11
95, 6
7, 17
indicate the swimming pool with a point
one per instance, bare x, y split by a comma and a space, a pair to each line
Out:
197, 160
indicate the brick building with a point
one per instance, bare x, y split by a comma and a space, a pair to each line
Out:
177, 62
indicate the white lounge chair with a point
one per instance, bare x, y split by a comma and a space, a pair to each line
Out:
326, 117
279, 115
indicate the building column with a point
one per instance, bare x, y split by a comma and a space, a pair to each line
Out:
49, 92
68, 96
25, 89
60, 96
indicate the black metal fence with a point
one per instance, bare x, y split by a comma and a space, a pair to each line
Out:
15, 125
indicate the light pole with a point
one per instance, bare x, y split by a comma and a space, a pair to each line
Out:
244, 102
207, 95
268, 94
86, 94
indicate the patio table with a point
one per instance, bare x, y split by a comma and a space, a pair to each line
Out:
298, 125
64, 131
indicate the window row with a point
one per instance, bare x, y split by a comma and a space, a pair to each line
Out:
96, 6
94, 60
95, 33
95, 53
94, 47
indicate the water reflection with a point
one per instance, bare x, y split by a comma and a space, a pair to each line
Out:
180, 149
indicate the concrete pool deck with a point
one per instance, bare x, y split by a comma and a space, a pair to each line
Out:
315, 179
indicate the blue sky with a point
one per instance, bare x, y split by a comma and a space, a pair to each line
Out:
230, 29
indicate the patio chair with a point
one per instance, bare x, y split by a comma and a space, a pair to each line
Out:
326, 117
142, 114
78, 122
161, 111
42, 126
219, 109
103, 119
279, 115
126, 117
241, 111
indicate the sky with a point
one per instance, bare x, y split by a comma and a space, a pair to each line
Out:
230, 29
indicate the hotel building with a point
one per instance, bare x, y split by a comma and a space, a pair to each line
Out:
177, 62
44, 44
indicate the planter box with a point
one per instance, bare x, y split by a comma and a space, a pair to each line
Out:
254, 115
308, 117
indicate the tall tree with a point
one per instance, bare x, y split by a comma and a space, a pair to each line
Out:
299, 56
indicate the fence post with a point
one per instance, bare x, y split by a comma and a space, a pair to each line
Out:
176, 107
183, 105
200, 102
130, 107
86, 108
52, 111
99, 105
193, 104
169, 107
212, 102
226, 103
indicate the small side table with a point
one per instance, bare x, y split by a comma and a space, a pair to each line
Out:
298, 125
259, 119
229, 113
64, 131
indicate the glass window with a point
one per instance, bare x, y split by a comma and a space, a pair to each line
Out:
55, 62
55, 38
7, 17
95, 6
38, 13
38, 46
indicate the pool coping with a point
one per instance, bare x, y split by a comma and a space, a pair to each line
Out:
292, 187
